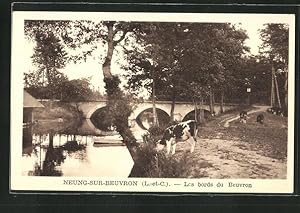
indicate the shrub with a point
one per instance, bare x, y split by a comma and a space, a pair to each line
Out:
150, 163
156, 131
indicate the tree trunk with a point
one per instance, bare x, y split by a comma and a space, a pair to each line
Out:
51, 134
195, 111
213, 100
211, 104
272, 95
173, 106
155, 119
222, 102
106, 66
277, 92
113, 91
286, 90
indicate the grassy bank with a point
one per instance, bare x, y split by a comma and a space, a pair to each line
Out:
268, 139
250, 150
56, 110
55, 116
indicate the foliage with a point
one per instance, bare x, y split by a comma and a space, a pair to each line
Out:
85, 37
118, 108
156, 131
65, 90
150, 163
49, 56
275, 39
185, 59
153, 164
76, 90
275, 48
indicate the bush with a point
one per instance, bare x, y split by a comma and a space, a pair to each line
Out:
150, 163
156, 131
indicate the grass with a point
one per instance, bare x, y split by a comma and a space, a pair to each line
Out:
268, 139
55, 111
152, 164
55, 117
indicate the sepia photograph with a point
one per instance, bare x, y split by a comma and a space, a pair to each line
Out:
159, 102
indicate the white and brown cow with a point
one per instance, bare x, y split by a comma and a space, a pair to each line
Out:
182, 132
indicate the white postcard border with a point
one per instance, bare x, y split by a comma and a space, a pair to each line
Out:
19, 182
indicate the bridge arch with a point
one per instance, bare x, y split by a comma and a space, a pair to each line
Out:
181, 108
98, 121
191, 115
92, 108
146, 105
145, 118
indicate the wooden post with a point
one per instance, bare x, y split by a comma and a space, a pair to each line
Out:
286, 87
277, 91
272, 96
210, 100
195, 110
173, 105
222, 102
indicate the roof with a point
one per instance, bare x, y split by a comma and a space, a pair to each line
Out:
30, 102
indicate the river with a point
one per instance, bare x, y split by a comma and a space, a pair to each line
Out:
79, 150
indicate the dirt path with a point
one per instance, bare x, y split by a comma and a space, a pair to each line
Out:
234, 150
217, 158
257, 109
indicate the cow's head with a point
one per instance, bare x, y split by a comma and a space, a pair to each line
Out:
160, 145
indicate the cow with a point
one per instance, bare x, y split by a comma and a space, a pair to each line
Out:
243, 117
182, 132
260, 118
275, 111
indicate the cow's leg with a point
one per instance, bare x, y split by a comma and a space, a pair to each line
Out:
193, 143
174, 148
168, 146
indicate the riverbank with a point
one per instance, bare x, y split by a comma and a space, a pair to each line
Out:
250, 150
55, 116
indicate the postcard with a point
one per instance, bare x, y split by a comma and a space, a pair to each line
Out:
152, 102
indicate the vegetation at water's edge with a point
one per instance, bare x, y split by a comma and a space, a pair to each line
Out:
54, 110
55, 116
150, 163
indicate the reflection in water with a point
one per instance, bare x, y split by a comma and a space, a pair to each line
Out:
27, 139
53, 155
70, 152
145, 118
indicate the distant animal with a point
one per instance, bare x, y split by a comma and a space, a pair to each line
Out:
275, 111
182, 132
260, 118
243, 116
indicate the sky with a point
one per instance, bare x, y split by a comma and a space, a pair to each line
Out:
93, 69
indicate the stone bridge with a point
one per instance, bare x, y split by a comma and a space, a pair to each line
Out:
181, 108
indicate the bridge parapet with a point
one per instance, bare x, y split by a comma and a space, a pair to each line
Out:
182, 108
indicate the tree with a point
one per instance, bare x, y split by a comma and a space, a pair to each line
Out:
153, 62
75, 35
76, 90
275, 47
49, 56
37, 88
256, 74
191, 59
